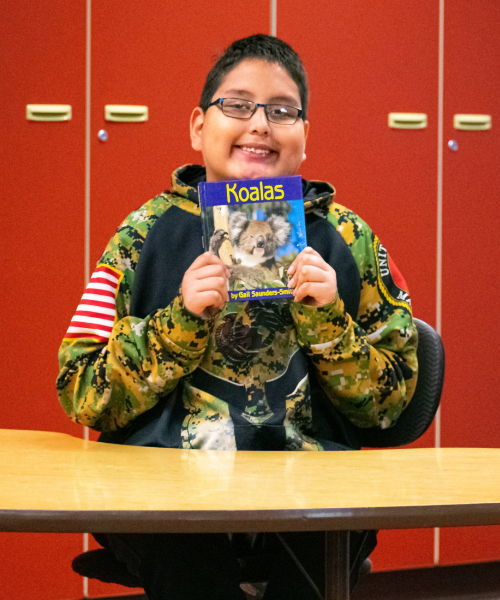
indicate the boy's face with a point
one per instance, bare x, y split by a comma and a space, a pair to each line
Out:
229, 145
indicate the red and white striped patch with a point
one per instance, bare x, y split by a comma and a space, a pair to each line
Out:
95, 315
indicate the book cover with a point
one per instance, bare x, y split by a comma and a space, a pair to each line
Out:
257, 227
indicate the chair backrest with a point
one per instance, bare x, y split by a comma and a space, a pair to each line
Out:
420, 413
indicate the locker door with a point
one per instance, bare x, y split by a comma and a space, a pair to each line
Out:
42, 182
364, 60
159, 57
471, 252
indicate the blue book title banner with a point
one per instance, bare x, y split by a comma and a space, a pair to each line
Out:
268, 189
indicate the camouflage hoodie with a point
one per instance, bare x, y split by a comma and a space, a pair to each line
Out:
136, 365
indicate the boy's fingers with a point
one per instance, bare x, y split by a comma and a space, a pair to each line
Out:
310, 259
308, 250
207, 271
293, 267
302, 291
313, 273
207, 258
310, 273
205, 283
307, 258
314, 280
314, 290
211, 283
210, 298
203, 300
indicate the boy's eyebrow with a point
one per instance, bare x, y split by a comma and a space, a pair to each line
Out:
290, 100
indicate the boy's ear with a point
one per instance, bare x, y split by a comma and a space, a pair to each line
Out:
196, 127
306, 132
306, 129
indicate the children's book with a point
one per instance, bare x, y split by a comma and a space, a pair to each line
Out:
257, 227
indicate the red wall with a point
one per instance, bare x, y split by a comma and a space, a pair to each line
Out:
364, 60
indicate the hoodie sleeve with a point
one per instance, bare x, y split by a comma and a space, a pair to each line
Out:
113, 366
368, 367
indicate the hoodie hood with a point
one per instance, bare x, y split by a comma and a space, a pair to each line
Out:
318, 195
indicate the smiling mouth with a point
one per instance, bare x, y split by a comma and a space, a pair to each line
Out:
256, 151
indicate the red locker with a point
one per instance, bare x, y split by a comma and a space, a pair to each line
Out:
471, 253
365, 60
158, 56
43, 183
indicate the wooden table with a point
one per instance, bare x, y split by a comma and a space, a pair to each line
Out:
52, 482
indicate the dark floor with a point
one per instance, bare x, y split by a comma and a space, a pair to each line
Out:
471, 582
463, 582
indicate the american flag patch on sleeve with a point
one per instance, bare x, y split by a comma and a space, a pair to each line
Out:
95, 315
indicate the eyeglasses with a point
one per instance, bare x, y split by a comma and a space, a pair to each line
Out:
244, 109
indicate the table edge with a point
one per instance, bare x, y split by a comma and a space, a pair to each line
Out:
217, 521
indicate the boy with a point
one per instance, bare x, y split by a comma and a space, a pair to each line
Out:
155, 355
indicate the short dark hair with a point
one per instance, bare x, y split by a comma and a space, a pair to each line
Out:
260, 46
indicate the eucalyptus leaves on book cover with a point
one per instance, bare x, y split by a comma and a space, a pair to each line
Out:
257, 227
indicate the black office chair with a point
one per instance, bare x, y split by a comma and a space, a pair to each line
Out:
422, 409
102, 565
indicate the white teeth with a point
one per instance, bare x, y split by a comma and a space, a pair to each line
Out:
256, 150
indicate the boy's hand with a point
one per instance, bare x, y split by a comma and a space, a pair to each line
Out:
204, 286
314, 282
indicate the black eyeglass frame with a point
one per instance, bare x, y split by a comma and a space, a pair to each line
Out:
219, 102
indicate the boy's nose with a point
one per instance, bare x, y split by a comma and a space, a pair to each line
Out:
259, 120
